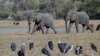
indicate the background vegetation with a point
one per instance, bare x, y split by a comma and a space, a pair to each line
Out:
58, 7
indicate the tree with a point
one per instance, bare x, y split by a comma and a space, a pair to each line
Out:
92, 7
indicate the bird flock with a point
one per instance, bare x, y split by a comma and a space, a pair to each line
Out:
63, 48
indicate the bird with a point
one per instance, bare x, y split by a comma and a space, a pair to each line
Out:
45, 51
22, 48
13, 46
20, 53
78, 50
31, 44
64, 48
50, 44
93, 46
69, 48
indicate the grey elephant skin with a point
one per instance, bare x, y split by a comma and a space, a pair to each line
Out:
77, 18
43, 20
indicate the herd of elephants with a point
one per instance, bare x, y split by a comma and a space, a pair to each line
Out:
46, 20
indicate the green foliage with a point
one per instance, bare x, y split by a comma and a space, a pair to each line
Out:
92, 7
60, 7
65, 6
34, 3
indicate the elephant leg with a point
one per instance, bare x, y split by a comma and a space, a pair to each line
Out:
47, 29
34, 28
84, 27
70, 26
87, 28
53, 29
29, 25
42, 29
76, 25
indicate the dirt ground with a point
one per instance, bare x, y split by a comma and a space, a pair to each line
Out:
40, 40
56, 23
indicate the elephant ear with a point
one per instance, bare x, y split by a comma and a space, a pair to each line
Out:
70, 15
34, 16
38, 18
74, 16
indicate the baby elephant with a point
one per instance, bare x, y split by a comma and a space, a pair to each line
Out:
98, 27
90, 26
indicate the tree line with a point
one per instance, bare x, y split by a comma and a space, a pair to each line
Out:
57, 7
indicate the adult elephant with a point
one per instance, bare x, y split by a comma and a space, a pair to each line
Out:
43, 20
77, 18
27, 15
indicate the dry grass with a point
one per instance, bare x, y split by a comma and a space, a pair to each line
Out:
40, 41
56, 23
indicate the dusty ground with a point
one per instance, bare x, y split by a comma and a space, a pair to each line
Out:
57, 23
40, 41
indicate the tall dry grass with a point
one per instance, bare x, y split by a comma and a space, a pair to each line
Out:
40, 40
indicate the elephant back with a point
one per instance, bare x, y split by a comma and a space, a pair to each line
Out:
83, 17
46, 18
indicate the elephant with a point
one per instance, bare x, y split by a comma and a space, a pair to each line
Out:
98, 27
27, 15
43, 20
77, 18
91, 25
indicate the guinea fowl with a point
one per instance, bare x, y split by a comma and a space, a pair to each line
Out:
78, 50
50, 44
64, 48
22, 48
31, 44
93, 46
13, 46
45, 51
21, 53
